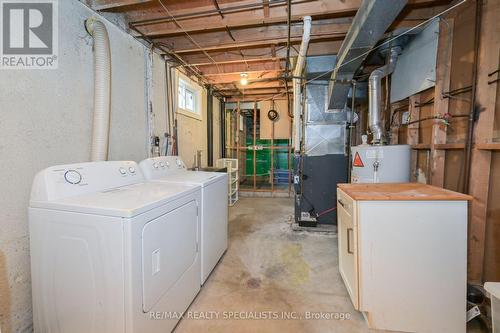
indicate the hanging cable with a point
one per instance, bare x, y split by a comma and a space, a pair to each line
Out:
189, 36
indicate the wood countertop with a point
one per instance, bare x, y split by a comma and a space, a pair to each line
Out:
401, 192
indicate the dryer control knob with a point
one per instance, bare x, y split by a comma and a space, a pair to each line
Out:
155, 165
73, 177
131, 169
122, 171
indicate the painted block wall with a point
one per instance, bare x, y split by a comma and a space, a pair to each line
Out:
46, 119
192, 131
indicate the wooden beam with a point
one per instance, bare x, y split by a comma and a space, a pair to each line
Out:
260, 43
250, 88
272, 65
256, 91
254, 66
441, 104
235, 77
251, 85
196, 18
280, 31
238, 61
318, 9
488, 146
255, 98
315, 49
112, 5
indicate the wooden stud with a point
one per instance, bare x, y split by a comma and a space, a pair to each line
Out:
488, 61
441, 104
413, 132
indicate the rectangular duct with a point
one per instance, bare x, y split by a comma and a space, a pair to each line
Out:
368, 27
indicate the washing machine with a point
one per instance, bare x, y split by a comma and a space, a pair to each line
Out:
110, 252
214, 205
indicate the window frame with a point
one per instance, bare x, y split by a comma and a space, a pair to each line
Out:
189, 88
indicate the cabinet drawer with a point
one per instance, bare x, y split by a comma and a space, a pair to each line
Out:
344, 201
348, 251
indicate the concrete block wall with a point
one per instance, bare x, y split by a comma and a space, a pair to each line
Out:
46, 119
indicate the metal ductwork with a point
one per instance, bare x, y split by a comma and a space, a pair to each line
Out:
297, 96
375, 95
368, 27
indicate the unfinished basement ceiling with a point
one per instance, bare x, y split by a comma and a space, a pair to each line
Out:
217, 40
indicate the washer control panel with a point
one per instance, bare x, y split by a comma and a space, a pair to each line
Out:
75, 179
157, 167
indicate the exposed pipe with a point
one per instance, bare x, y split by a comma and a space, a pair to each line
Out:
473, 114
289, 28
299, 66
102, 89
350, 132
210, 127
375, 96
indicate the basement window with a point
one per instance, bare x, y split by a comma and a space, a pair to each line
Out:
189, 99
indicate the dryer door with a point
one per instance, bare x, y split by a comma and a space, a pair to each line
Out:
169, 249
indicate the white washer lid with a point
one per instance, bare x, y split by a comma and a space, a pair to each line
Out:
126, 201
202, 178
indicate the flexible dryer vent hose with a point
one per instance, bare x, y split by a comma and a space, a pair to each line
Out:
102, 89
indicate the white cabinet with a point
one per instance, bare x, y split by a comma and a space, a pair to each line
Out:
403, 255
348, 259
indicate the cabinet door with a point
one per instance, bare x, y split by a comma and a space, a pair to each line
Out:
348, 255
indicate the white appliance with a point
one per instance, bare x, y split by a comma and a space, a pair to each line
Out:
214, 206
403, 255
380, 164
110, 252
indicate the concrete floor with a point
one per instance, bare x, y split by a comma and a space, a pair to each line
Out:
270, 270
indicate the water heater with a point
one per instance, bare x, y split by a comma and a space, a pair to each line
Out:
380, 164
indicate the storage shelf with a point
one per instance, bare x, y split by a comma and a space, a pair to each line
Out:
231, 165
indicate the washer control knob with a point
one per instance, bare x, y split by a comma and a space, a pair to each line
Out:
155, 165
131, 169
162, 164
122, 171
73, 177
179, 164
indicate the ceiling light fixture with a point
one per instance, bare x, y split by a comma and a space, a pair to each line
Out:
243, 79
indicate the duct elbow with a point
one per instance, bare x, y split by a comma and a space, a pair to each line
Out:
375, 95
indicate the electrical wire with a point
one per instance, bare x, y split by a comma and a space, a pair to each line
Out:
189, 36
326, 211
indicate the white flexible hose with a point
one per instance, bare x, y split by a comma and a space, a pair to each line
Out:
297, 100
102, 89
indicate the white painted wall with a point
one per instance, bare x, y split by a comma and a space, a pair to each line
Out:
192, 131
46, 119
159, 98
